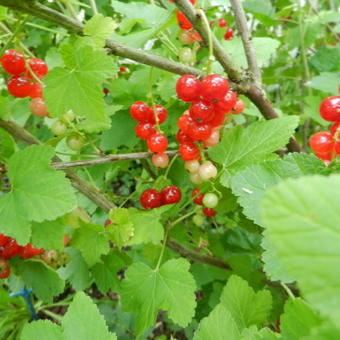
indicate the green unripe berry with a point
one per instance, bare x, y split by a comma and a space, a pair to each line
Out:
210, 200
58, 128
185, 55
198, 220
75, 142
68, 117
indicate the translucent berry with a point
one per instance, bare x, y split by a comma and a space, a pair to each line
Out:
214, 86
157, 142
10, 249
200, 132
218, 119
38, 67
183, 137
238, 107
151, 199
228, 34
213, 139
189, 152
192, 166
36, 91
188, 88
183, 22
19, 87
38, 107
195, 178
145, 130
207, 171
161, 112
141, 112
198, 220
335, 129
226, 103
210, 200
160, 160
330, 109
201, 111
75, 142
185, 37
222, 22
209, 212
184, 123
13, 62
186, 55
198, 198
58, 128
5, 269
321, 142
171, 195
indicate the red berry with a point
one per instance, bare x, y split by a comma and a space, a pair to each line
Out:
337, 148
157, 142
4, 240
238, 107
122, 69
19, 87
36, 91
327, 157
189, 151
106, 91
184, 123
330, 109
334, 129
213, 139
188, 87
200, 132
214, 86
201, 111
226, 103
29, 251
228, 34
218, 119
5, 269
107, 222
38, 107
145, 130
13, 62
66, 240
222, 22
321, 142
198, 197
183, 22
185, 37
194, 36
151, 199
183, 137
141, 112
161, 112
10, 249
171, 194
160, 160
38, 67
209, 212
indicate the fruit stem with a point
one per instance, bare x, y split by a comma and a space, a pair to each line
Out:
150, 97
94, 7
162, 251
170, 165
182, 218
36, 78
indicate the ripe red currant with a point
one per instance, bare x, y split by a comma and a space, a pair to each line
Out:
122, 69
209, 212
161, 113
13, 62
222, 22
198, 198
183, 22
36, 91
38, 107
188, 87
327, 157
330, 109
10, 249
141, 112
183, 138
5, 269
4, 239
321, 142
145, 130
29, 251
194, 36
228, 34
226, 103
151, 199
214, 86
218, 119
157, 142
19, 87
171, 194
334, 129
184, 123
38, 67
200, 132
189, 152
201, 111
160, 160
238, 107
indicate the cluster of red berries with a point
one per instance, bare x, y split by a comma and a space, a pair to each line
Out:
10, 248
229, 33
326, 144
23, 82
152, 198
149, 119
208, 200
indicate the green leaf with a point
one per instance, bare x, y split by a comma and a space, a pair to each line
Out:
298, 319
42, 329
7, 145
243, 146
84, 322
251, 184
48, 235
326, 82
91, 241
301, 217
86, 69
38, 193
217, 326
144, 291
44, 281
326, 59
246, 307
99, 28
262, 334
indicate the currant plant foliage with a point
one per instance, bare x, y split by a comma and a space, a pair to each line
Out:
137, 203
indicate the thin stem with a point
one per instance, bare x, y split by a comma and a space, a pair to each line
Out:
170, 165
162, 251
53, 315
183, 217
72, 11
286, 288
94, 7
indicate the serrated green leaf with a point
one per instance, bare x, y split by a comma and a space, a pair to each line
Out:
144, 291
7, 144
84, 322
326, 82
44, 281
86, 69
251, 184
91, 241
99, 28
42, 329
38, 193
48, 235
240, 146
301, 217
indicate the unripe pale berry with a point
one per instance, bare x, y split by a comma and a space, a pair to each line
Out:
58, 128
192, 166
210, 200
68, 117
185, 55
38, 107
198, 220
160, 160
195, 178
75, 142
213, 139
207, 171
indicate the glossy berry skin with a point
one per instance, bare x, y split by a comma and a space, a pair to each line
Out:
38, 67
321, 142
222, 23
330, 109
214, 86
194, 36
157, 142
186, 55
207, 171
5, 269
192, 166
183, 22
13, 62
171, 195
226, 103
201, 111
151, 199
213, 139
188, 88
238, 107
161, 113
160, 160
198, 220
218, 119
189, 152
334, 129
141, 112
198, 198
75, 142
209, 212
183, 138
228, 34
4, 240
184, 123
29, 251
38, 107
36, 91
19, 87
200, 132
58, 128
145, 130
195, 178
10, 249
327, 157
210, 200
